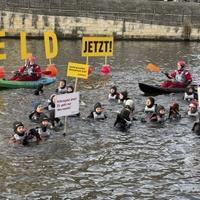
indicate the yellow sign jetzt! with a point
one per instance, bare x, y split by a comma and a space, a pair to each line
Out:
77, 70
97, 46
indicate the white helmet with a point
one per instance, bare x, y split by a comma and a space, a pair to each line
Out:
130, 103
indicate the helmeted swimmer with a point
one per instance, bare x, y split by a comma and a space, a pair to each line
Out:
124, 118
62, 87
37, 114
150, 105
193, 109
51, 109
174, 111
44, 130
97, 113
159, 115
123, 96
22, 136
113, 95
190, 94
70, 89
196, 126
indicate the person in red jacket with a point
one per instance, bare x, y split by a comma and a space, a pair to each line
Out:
182, 78
30, 72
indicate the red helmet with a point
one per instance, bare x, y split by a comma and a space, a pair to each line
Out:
181, 63
193, 104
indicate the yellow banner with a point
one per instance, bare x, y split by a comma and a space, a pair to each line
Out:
2, 46
97, 46
77, 70
50, 52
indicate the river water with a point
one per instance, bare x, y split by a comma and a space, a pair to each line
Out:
94, 161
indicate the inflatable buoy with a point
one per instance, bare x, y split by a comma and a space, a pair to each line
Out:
52, 69
105, 70
2, 72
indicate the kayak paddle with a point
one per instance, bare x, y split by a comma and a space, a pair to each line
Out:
153, 68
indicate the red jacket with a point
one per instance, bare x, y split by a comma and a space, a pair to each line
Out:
181, 76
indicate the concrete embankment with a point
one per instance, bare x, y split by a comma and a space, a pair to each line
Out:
123, 19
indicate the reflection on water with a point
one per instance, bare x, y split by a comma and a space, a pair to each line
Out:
94, 161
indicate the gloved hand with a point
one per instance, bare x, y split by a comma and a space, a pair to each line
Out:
166, 74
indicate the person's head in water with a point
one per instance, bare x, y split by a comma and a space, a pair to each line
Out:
44, 121
39, 108
70, 89
174, 110
62, 83
190, 90
150, 102
180, 65
161, 110
113, 90
98, 108
123, 95
192, 108
130, 105
18, 127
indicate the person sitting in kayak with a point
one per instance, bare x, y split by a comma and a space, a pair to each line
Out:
113, 95
61, 87
37, 114
182, 78
97, 113
174, 111
190, 94
150, 105
193, 109
30, 72
23, 136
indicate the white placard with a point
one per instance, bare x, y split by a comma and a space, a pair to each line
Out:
198, 92
67, 104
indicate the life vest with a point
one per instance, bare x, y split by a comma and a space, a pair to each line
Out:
112, 97
188, 97
180, 77
62, 90
30, 69
100, 116
151, 109
17, 137
43, 133
193, 114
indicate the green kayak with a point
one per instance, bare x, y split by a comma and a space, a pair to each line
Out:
7, 84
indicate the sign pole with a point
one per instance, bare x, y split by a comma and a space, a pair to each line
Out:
106, 60
50, 61
87, 60
65, 127
76, 82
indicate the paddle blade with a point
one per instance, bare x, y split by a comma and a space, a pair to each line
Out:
153, 68
46, 72
2, 72
52, 69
